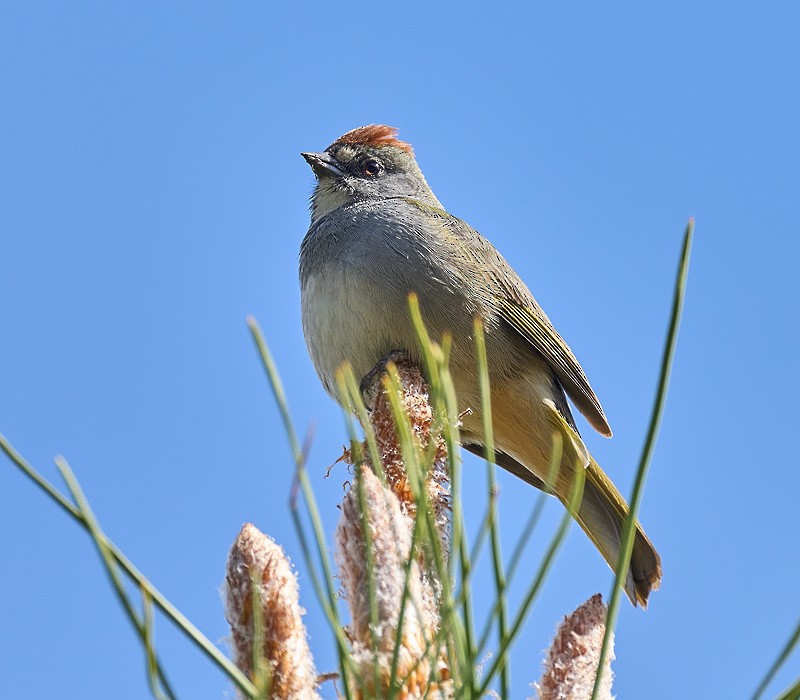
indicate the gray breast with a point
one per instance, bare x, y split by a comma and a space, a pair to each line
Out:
357, 267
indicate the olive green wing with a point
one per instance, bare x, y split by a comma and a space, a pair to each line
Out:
516, 306
531, 323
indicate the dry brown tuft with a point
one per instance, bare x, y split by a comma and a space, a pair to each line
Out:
256, 560
571, 664
375, 135
421, 669
414, 399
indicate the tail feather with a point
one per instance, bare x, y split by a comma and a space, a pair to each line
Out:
603, 512
602, 515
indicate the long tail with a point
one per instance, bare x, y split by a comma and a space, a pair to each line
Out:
602, 515
603, 512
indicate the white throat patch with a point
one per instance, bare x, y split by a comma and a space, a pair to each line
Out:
328, 195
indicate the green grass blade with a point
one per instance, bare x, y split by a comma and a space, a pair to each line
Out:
541, 574
149, 647
792, 692
262, 671
443, 401
350, 396
426, 346
626, 547
552, 472
330, 605
404, 601
178, 618
351, 393
417, 473
355, 446
785, 653
113, 574
533, 520
497, 557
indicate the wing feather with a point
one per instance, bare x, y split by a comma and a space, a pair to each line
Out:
511, 300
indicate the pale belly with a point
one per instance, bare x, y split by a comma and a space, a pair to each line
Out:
347, 319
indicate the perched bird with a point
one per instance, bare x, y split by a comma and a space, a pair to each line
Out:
378, 233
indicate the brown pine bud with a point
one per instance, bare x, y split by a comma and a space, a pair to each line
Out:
573, 657
380, 514
256, 561
414, 398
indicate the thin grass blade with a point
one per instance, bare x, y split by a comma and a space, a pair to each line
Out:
330, 606
647, 452
784, 654
541, 575
149, 647
497, 557
113, 573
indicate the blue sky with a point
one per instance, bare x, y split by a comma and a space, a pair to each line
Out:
152, 196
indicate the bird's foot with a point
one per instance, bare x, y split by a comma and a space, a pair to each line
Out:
370, 384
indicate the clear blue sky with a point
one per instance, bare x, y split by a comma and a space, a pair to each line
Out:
152, 195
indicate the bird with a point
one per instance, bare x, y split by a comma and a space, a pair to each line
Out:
377, 234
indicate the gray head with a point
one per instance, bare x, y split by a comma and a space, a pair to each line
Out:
366, 163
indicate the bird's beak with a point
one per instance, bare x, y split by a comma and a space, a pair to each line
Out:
322, 164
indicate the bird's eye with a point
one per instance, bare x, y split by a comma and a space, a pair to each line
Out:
371, 167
